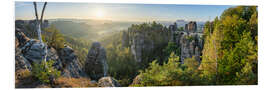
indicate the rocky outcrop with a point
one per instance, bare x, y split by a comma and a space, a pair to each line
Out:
191, 26
137, 46
34, 51
71, 65
21, 39
96, 62
145, 43
172, 30
30, 51
20, 61
108, 82
190, 46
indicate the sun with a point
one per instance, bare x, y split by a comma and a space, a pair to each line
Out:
99, 14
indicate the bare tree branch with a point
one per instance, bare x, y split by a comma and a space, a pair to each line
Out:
36, 13
41, 19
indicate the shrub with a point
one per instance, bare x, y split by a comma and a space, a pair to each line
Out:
172, 47
44, 71
162, 75
171, 73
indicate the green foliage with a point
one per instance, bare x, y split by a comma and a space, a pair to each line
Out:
246, 76
230, 49
122, 65
171, 73
44, 71
54, 38
167, 74
181, 29
172, 47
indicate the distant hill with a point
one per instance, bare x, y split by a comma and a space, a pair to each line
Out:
89, 29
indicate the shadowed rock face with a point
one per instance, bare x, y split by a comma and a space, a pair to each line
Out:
108, 82
71, 65
96, 63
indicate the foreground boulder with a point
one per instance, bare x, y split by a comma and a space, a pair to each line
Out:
71, 65
108, 82
96, 64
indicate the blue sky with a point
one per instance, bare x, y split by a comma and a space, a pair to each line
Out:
130, 12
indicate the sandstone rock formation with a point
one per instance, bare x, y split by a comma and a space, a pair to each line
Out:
21, 39
30, 51
108, 82
34, 51
191, 26
20, 61
190, 46
145, 42
71, 65
96, 62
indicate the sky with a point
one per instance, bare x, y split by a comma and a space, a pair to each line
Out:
121, 12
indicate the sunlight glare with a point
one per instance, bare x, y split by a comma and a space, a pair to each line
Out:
99, 14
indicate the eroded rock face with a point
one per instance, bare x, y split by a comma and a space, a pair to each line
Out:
190, 46
71, 65
96, 62
53, 55
137, 46
108, 82
30, 51
21, 39
20, 61
143, 43
34, 51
